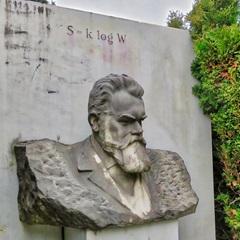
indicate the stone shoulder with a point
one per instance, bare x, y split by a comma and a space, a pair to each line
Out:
162, 157
173, 181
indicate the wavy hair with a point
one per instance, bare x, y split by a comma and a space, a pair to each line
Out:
103, 89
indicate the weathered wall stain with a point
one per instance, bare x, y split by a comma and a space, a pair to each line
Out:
48, 11
20, 7
35, 70
9, 45
52, 91
17, 7
9, 31
20, 32
41, 59
41, 10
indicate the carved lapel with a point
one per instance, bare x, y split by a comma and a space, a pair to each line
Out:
89, 161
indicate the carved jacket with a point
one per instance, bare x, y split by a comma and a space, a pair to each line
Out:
63, 185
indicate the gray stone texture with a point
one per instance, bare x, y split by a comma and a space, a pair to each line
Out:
52, 192
46, 75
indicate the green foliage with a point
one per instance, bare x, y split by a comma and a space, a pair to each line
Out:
213, 24
209, 14
232, 210
176, 20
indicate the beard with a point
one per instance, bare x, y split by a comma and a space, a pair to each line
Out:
133, 158
130, 154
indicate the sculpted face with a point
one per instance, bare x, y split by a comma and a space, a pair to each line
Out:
120, 132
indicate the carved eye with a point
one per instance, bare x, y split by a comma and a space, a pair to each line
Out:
126, 119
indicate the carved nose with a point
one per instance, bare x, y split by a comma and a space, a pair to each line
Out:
137, 130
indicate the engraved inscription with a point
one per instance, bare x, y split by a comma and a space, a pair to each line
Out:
88, 34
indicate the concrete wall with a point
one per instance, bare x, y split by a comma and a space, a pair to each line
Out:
155, 231
50, 58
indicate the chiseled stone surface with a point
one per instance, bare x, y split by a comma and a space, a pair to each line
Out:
51, 193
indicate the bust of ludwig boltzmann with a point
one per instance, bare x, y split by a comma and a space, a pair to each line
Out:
108, 179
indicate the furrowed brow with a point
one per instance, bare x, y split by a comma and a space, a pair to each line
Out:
127, 116
143, 117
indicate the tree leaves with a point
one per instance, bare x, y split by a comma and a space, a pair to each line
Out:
216, 34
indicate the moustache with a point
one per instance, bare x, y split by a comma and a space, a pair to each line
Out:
128, 140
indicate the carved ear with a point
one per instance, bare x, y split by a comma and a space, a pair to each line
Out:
93, 121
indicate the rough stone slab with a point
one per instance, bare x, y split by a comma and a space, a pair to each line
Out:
52, 192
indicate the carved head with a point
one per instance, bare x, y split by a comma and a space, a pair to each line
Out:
115, 114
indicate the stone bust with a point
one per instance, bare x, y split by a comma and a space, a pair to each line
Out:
110, 178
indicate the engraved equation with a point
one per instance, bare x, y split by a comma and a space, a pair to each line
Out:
110, 38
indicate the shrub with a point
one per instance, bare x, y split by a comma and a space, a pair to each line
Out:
214, 26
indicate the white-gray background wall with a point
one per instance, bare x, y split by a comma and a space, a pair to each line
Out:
48, 64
